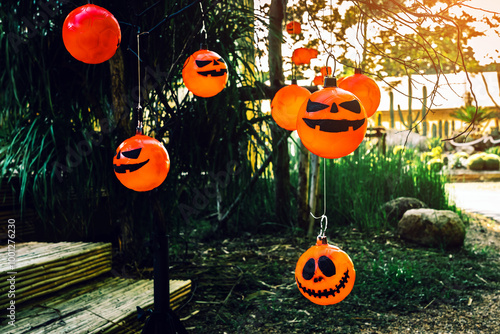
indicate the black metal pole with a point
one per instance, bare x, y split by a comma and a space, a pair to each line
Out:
163, 320
161, 275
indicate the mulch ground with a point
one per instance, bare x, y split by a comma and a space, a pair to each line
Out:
219, 282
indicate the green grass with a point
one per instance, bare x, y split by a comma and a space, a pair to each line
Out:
357, 185
391, 278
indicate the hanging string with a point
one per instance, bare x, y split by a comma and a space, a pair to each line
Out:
203, 31
139, 107
323, 217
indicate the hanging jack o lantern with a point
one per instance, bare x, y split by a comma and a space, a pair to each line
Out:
302, 56
141, 163
205, 73
91, 34
332, 123
318, 80
286, 104
365, 88
293, 28
325, 71
325, 274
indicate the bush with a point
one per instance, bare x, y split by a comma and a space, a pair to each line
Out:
459, 155
426, 157
435, 164
494, 150
476, 162
484, 161
459, 160
491, 162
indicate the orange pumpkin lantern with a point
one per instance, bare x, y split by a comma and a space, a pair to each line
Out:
286, 104
332, 123
365, 88
141, 163
303, 56
318, 80
91, 34
293, 28
326, 71
205, 73
325, 274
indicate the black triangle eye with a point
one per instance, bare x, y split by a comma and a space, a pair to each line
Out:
315, 106
326, 266
220, 60
353, 106
309, 268
132, 154
202, 63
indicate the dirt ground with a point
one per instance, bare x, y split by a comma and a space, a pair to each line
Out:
474, 314
478, 317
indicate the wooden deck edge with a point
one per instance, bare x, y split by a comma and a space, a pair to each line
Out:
99, 306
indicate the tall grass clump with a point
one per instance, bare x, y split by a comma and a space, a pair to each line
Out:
357, 185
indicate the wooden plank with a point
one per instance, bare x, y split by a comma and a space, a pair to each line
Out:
100, 306
61, 268
44, 268
33, 254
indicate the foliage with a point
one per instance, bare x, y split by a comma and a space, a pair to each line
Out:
395, 37
459, 160
483, 161
471, 115
367, 179
61, 119
494, 150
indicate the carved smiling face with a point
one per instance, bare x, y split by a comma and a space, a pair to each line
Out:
205, 73
141, 163
325, 274
332, 123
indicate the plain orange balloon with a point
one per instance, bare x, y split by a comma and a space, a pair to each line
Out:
332, 122
91, 34
365, 88
325, 274
141, 163
286, 105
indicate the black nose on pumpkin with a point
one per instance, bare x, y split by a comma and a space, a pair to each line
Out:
334, 109
318, 279
216, 62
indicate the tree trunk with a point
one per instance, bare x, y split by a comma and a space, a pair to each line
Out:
122, 121
314, 191
303, 189
281, 161
118, 95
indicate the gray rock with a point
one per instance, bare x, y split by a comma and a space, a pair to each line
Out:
431, 227
394, 209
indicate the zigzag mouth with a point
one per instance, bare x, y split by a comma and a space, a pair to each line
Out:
332, 125
213, 73
130, 167
325, 293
